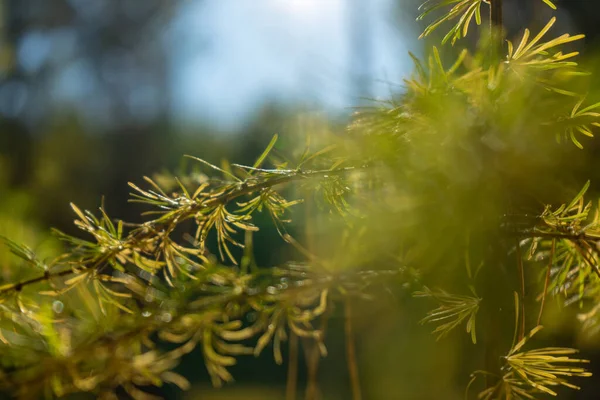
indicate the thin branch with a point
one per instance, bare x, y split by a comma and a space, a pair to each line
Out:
312, 355
311, 351
578, 239
351, 351
547, 281
496, 27
312, 365
292, 376
587, 256
496, 18
555, 235
522, 279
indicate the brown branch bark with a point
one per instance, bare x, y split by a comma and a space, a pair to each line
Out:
522, 287
292, 377
351, 351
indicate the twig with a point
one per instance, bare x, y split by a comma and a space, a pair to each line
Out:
547, 281
312, 355
312, 365
522, 278
586, 256
311, 352
292, 376
576, 238
351, 351
496, 18
555, 235
496, 27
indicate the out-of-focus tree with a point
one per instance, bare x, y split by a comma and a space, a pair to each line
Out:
106, 59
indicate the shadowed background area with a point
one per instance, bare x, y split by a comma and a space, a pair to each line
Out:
97, 93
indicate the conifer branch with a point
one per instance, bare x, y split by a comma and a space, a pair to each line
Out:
149, 230
460, 127
204, 313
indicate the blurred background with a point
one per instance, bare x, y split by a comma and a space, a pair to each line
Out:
96, 93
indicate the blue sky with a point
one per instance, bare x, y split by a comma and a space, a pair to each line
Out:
226, 59
230, 56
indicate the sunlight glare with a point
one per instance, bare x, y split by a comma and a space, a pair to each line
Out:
306, 7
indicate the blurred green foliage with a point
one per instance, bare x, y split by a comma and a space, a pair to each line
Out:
16, 222
455, 184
